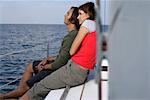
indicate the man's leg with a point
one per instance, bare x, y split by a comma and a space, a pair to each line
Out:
23, 87
70, 74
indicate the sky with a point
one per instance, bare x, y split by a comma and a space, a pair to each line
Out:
35, 11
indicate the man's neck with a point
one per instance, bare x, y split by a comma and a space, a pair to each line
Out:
71, 27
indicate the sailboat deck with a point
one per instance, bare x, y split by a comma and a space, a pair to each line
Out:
81, 92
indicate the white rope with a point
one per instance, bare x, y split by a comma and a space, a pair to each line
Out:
10, 82
32, 49
14, 52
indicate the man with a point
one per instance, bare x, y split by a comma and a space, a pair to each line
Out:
54, 63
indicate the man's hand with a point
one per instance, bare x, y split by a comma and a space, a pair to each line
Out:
40, 68
43, 67
43, 62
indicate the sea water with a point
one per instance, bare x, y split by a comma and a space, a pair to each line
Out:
27, 42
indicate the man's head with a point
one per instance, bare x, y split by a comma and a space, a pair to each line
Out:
71, 17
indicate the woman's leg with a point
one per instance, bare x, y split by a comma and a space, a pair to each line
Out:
23, 87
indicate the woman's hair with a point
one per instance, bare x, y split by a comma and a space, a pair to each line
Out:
90, 9
73, 19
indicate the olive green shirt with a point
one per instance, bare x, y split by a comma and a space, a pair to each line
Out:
64, 55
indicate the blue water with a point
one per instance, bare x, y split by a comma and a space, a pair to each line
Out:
16, 37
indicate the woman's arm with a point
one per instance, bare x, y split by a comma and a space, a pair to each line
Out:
80, 36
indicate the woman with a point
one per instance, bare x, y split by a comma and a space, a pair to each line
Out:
83, 58
84, 46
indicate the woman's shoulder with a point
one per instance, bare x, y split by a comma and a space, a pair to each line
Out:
89, 24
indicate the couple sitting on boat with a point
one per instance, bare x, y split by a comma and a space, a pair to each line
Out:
76, 57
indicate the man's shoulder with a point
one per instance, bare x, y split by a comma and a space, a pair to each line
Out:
72, 33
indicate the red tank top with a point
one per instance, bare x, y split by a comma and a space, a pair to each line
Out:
86, 55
